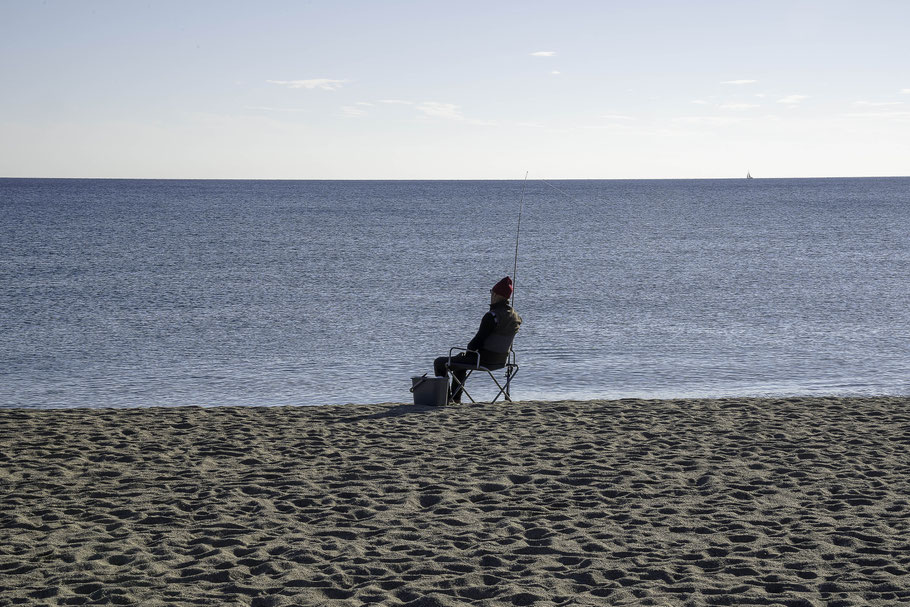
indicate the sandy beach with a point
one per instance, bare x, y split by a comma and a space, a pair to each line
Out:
792, 501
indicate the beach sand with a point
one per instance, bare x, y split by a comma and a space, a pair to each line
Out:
793, 501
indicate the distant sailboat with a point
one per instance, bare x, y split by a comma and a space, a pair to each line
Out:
749, 175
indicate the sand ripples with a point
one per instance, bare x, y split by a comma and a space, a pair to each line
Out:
723, 502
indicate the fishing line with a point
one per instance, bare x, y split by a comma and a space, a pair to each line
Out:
518, 232
521, 206
563, 192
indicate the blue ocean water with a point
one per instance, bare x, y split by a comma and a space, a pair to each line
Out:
121, 293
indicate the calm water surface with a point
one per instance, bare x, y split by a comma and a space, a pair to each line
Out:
139, 293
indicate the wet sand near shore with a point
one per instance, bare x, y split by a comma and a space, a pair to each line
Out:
790, 501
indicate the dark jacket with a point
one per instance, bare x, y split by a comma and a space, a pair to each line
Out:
494, 337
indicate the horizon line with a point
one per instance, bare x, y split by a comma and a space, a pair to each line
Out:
453, 179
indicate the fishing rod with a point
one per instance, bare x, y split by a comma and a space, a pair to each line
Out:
521, 206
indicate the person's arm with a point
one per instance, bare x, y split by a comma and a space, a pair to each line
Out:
487, 324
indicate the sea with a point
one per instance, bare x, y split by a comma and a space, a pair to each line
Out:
138, 293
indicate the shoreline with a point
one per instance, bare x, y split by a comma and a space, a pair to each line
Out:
517, 402
728, 501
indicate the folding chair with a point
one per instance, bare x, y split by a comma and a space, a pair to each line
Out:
511, 367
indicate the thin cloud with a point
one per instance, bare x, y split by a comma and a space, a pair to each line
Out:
738, 106
708, 120
555, 72
437, 109
616, 126
543, 54
352, 112
263, 108
611, 122
905, 91
739, 81
877, 103
449, 111
324, 84
792, 99
901, 116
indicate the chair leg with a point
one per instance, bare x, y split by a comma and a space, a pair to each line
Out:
461, 384
503, 391
464, 390
511, 372
504, 388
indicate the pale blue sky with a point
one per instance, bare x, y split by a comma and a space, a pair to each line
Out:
454, 90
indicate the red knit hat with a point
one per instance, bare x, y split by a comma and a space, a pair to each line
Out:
504, 287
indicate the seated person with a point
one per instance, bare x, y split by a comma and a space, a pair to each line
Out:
493, 340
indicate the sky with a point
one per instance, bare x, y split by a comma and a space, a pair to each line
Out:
454, 90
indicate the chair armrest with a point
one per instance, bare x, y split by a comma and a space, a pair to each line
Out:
466, 351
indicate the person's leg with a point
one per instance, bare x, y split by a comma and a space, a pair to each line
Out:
439, 368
